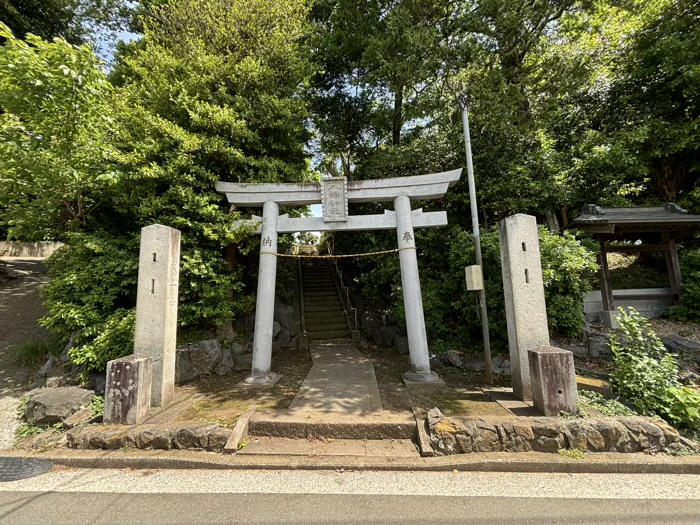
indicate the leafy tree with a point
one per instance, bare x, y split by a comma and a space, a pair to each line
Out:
53, 126
73, 20
211, 94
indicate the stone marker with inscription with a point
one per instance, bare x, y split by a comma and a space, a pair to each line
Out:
128, 390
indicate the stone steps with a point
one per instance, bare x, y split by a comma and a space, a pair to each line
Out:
319, 293
325, 302
332, 425
325, 314
317, 326
325, 317
329, 334
275, 446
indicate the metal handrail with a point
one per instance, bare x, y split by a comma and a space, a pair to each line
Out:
347, 304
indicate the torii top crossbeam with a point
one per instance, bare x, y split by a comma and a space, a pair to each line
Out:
419, 187
334, 194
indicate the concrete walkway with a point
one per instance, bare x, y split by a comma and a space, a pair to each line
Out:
340, 380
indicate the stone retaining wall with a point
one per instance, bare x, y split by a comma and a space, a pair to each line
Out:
549, 434
197, 436
28, 249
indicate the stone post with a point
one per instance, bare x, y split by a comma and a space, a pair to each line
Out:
553, 380
261, 373
523, 288
156, 307
128, 390
420, 372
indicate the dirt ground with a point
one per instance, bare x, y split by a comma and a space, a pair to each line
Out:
223, 401
20, 310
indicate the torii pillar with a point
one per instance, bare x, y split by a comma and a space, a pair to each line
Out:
261, 373
412, 299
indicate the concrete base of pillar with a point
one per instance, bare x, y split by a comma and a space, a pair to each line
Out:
266, 380
356, 336
415, 380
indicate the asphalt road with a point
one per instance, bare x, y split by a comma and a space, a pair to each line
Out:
309, 498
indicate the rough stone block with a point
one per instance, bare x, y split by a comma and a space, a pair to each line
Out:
47, 406
523, 289
156, 307
553, 380
128, 390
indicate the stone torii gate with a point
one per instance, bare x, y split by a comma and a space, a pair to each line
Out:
334, 194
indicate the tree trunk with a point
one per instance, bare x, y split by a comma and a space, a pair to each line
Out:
668, 177
398, 117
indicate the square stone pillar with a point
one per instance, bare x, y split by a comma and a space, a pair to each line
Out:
523, 288
128, 390
156, 307
553, 380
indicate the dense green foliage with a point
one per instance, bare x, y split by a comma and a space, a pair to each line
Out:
54, 99
452, 312
647, 376
73, 20
209, 94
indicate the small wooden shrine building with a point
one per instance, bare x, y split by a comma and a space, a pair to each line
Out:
634, 230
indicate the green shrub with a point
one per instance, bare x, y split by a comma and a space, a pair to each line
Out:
92, 294
642, 373
682, 407
452, 313
566, 267
607, 407
648, 377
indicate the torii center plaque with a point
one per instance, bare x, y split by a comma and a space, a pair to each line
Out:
334, 194
334, 199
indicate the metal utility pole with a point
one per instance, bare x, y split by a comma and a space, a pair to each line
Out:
464, 105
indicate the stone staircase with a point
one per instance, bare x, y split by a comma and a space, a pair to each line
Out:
323, 311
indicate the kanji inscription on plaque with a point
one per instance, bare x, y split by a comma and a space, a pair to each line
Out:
334, 200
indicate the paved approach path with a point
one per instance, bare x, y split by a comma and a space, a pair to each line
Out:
340, 380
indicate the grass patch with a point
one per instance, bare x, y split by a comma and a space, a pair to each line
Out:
97, 406
598, 402
34, 352
573, 453
25, 430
